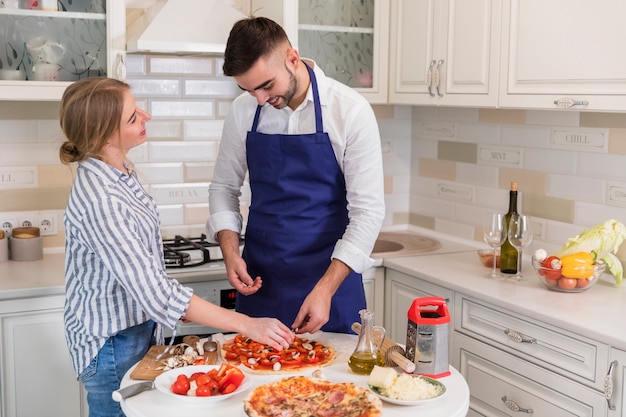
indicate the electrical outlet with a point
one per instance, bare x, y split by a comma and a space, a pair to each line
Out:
7, 225
48, 224
29, 220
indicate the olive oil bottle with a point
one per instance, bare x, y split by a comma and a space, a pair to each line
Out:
508, 254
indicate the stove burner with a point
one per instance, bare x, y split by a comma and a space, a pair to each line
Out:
173, 258
182, 252
177, 252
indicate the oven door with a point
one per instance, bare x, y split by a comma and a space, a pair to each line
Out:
218, 292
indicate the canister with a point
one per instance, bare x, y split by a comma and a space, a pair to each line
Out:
25, 244
427, 336
4, 247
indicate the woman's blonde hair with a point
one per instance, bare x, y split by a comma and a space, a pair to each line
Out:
90, 114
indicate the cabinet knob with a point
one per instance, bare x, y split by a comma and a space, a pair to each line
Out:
569, 102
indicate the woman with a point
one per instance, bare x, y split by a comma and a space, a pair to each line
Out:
118, 296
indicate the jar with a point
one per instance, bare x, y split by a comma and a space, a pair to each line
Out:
26, 244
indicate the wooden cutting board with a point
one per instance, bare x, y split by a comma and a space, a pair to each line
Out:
147, 370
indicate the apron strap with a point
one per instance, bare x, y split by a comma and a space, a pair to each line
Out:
316, 104
316, 100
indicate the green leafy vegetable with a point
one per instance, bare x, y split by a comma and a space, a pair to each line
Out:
602, 241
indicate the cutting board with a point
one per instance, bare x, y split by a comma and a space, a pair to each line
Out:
147, 370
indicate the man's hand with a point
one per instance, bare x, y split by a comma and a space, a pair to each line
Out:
237, 272
314, 312
236, 268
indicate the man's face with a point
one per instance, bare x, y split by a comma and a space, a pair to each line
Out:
270, 80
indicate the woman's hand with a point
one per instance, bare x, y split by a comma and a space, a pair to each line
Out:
270, 332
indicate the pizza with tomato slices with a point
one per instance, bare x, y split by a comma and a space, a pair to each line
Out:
302, 354
300, 396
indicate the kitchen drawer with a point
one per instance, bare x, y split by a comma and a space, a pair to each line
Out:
565, 353
495, 377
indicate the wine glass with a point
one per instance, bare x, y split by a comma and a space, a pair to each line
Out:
494, 235
520, 235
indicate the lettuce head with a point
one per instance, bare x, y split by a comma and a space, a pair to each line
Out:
602, 241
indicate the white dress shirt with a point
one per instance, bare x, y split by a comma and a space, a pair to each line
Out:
351, 124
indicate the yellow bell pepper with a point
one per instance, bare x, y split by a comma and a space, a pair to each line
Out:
577, 265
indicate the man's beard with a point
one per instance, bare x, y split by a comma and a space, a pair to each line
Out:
288, 95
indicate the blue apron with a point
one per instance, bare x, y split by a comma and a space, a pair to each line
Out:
297, 213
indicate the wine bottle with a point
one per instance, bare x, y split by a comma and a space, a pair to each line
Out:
508, 254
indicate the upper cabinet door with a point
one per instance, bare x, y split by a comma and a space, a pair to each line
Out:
564, 54
45, 45
445, 52
348, 39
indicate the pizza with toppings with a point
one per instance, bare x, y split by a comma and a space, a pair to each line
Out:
300, 396
303, 354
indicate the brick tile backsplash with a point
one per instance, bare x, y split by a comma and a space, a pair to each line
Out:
442, 166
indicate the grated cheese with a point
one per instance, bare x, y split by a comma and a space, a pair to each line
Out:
407, 387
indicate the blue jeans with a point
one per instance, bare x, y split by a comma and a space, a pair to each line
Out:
106, 370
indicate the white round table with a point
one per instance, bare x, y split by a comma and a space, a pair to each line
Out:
153, 403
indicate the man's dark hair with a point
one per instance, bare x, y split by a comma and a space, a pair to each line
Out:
250, 39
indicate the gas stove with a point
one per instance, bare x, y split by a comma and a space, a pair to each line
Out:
183, 252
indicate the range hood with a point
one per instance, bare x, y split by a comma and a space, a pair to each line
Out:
179, 26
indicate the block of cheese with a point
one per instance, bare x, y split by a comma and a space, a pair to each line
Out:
382, 377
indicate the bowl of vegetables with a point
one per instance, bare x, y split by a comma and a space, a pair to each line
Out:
576, 272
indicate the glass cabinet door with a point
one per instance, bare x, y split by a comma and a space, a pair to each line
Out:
46, 44
339, 35
64, 42
346, 38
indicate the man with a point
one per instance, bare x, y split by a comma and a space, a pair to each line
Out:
311, 147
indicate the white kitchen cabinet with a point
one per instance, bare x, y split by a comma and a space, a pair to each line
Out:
502, 384
400, 291
348, 40
374, 285
81, 39
512, 361
616, 380
37, 375
563, 54
445, 52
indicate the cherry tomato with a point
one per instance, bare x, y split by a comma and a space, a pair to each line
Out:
549, 272
194, 375
203, 391
203, 379
567, 283
181, 385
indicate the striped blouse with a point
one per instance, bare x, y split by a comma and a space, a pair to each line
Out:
114, 269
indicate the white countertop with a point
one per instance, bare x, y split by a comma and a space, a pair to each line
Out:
597, 313
154, 403
47, 277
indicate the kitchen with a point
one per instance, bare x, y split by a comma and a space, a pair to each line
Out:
438, 170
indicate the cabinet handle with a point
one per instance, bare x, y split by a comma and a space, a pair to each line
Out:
512, 405
429, 78
120, 67
608, 386
569, 102
438, 76
519, 337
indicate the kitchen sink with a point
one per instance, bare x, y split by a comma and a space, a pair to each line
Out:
403, 243
383, 245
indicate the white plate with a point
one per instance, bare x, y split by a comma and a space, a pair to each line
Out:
164, 383
376, 391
